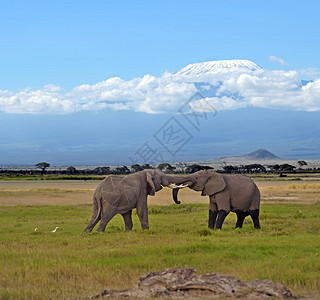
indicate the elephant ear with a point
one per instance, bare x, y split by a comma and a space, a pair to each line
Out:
151, 187
215, 184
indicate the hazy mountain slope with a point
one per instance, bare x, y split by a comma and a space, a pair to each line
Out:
260, 154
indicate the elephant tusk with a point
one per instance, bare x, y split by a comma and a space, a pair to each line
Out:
174, 186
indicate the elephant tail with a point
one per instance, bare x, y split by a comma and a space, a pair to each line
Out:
96, 213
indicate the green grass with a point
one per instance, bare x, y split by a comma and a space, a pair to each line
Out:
69, 263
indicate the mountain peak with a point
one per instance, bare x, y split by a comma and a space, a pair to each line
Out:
261, 154
219, 66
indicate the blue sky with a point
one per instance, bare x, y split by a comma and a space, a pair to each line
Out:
73, 60
68, 43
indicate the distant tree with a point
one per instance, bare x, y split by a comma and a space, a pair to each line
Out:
195, 168
255, 168
302, 163
71, 170
43, 166
207, 168
231, 169
274, 168
165, 167
101, 170
146, 166
182, 167
286, 167
105, 170
136, 168
122, 170
162, 166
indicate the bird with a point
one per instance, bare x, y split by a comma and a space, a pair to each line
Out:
54, 230
36, 229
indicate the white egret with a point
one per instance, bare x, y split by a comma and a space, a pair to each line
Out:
54, 230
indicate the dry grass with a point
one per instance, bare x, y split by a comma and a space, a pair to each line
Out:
288, 192
54, 184
78, 192
45, 197
46, 192
73, 193
305, 186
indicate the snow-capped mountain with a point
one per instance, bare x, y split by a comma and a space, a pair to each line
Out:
216, 67
234, 84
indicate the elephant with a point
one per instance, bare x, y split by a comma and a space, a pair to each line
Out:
236, 193
120, 194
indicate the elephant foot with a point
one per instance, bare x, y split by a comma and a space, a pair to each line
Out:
88, 229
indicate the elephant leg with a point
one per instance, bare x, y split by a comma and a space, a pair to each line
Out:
221, 216
254, 214
213, 211
240, 218
127, 217
106, 215
142, 212
212, 219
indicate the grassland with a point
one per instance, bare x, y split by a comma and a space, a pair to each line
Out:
69, 264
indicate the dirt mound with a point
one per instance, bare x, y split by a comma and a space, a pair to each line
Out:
182, 283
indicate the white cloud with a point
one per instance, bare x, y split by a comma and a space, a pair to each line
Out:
275, 89
46, 100
150, 94
310, 72
277, 59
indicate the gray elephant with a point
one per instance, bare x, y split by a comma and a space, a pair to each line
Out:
121, 194
236, 193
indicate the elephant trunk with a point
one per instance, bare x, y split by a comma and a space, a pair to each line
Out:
175, 195
176, 183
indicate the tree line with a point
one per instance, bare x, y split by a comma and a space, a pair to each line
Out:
43, 168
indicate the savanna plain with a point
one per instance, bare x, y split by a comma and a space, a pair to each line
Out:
71, 264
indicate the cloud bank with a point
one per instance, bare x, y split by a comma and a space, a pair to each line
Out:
224, 91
